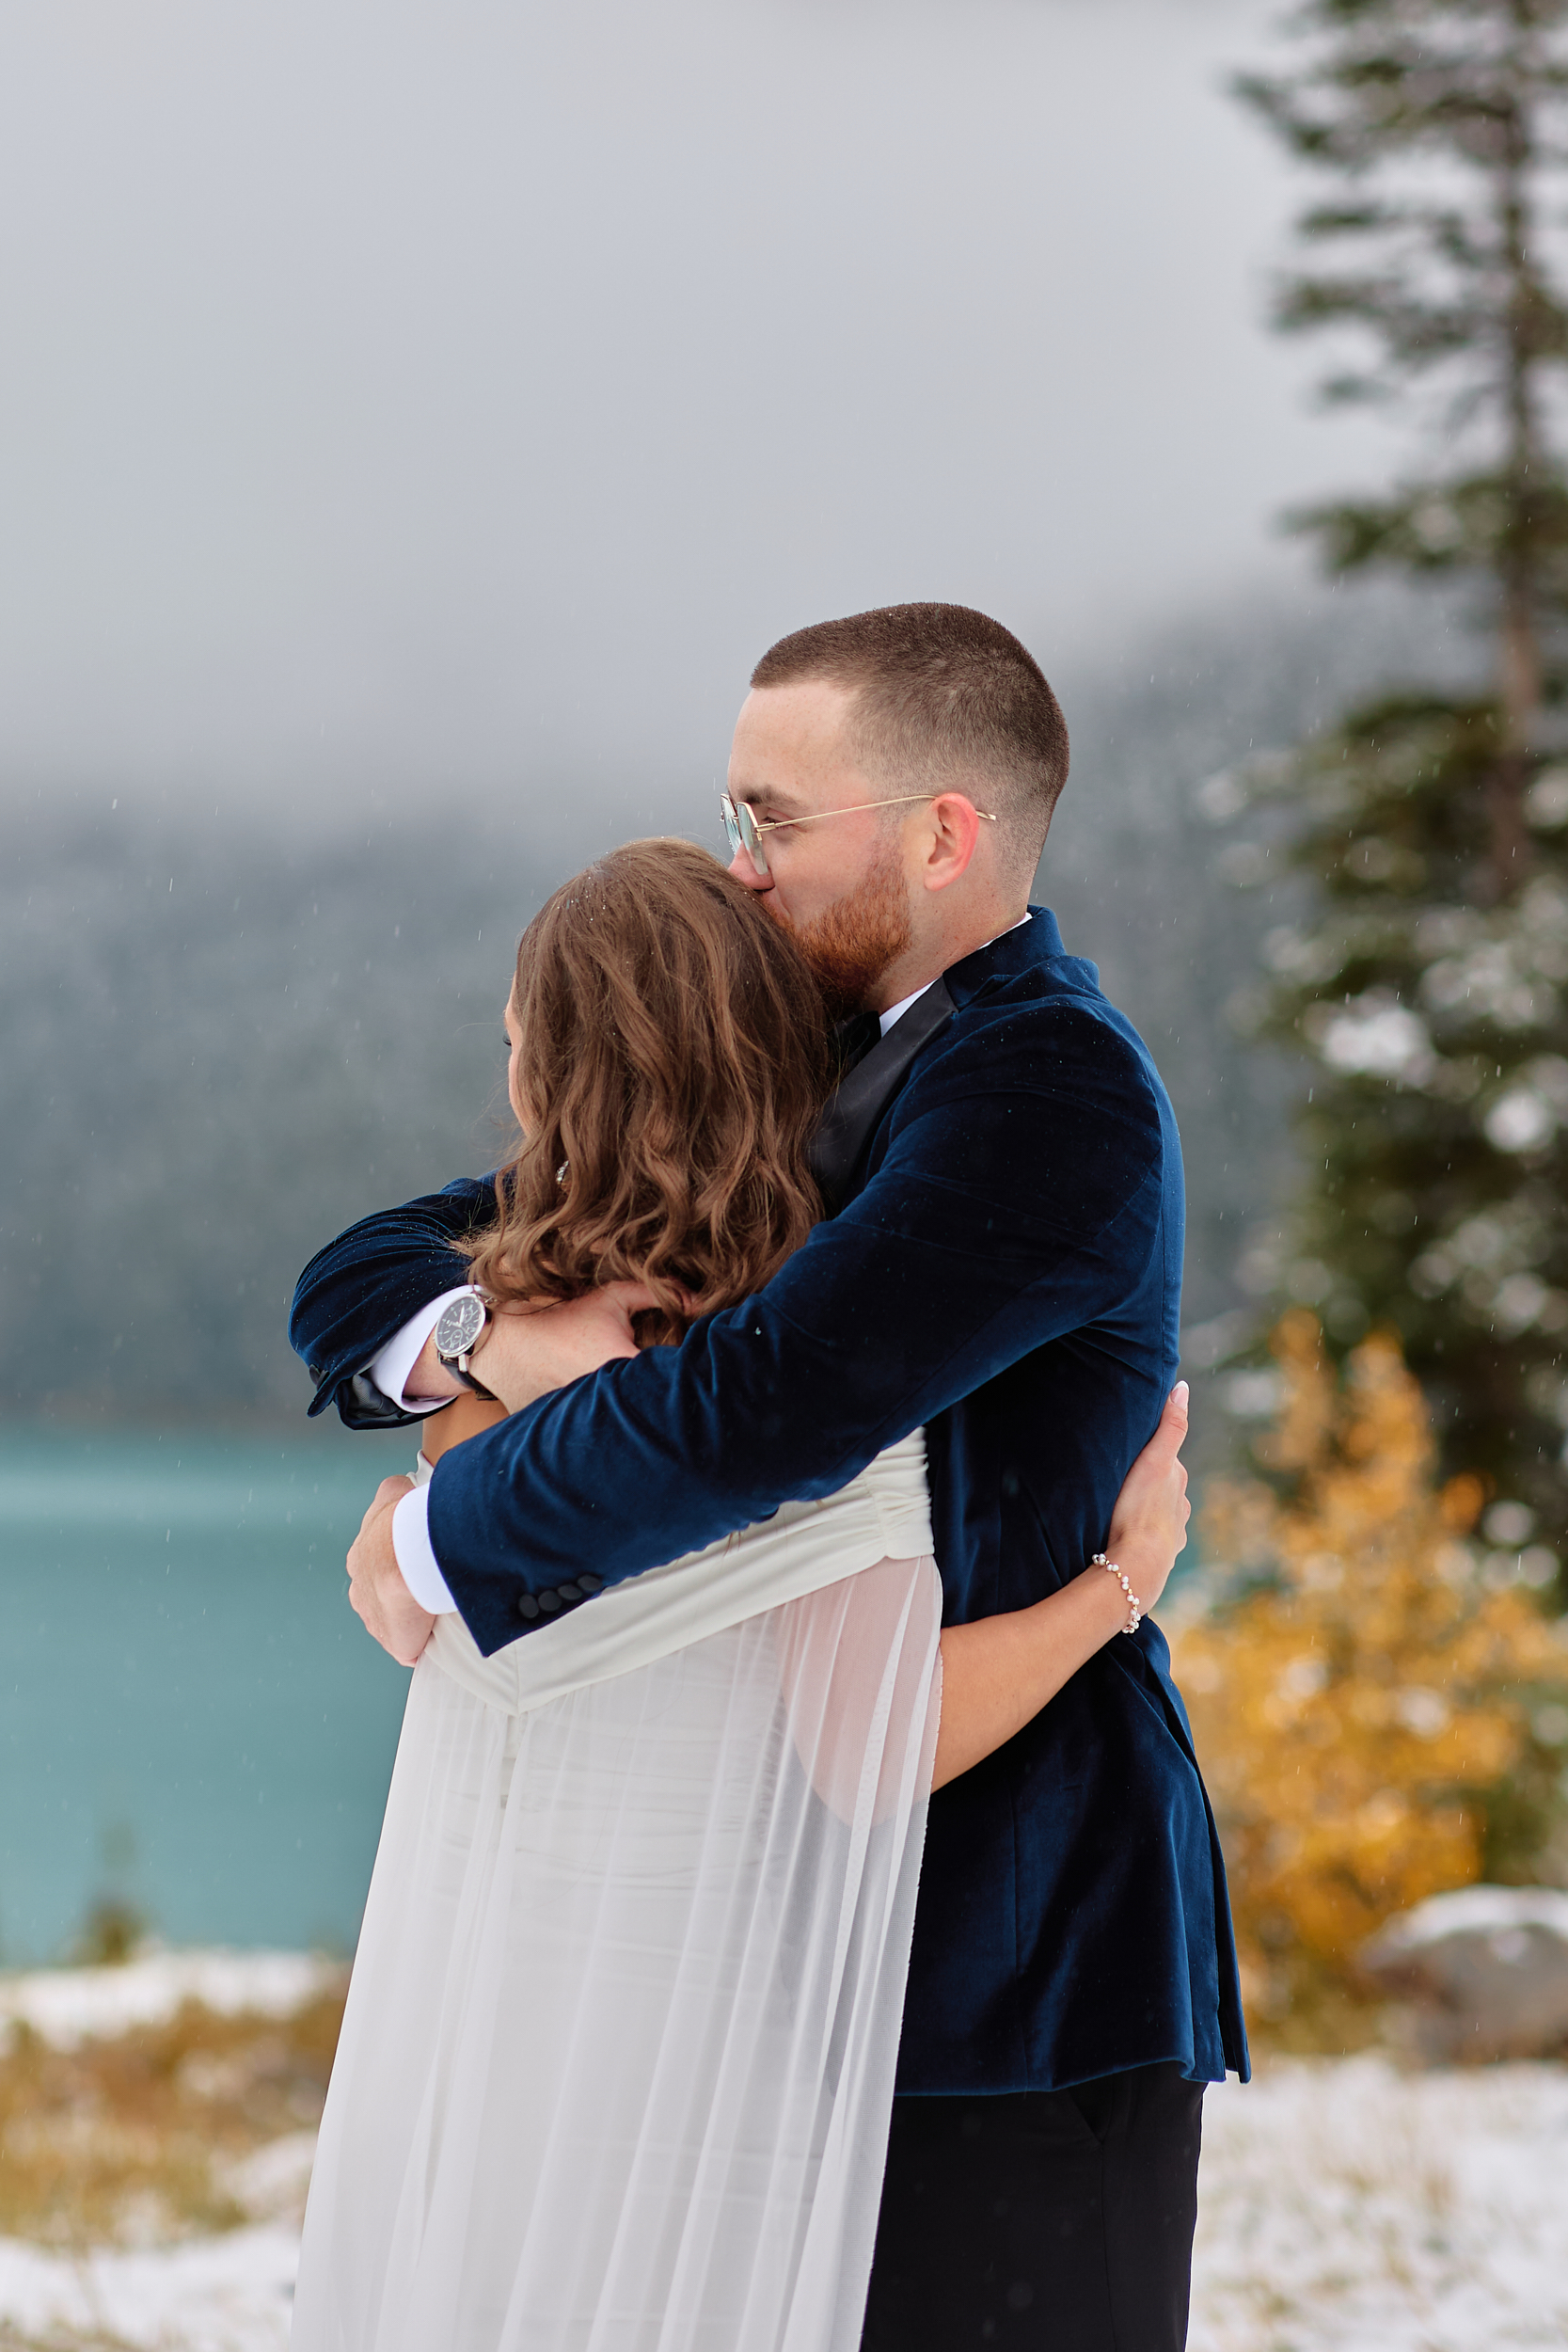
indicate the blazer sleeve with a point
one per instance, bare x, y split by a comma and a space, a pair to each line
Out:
359, 1290
1019, 1198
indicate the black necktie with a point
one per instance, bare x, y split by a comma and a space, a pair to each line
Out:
853, 1040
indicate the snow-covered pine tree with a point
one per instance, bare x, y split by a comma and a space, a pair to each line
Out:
1427, 982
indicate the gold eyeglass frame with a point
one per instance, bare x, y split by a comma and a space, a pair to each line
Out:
745, 829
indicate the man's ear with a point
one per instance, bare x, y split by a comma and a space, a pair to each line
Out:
955, 834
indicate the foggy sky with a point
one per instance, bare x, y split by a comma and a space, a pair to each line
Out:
418, 401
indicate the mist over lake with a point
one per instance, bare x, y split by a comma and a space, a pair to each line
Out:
230, 1034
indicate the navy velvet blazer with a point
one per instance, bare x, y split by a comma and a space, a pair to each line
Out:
1005, 1268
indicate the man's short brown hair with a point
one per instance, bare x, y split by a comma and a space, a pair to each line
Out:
945, 696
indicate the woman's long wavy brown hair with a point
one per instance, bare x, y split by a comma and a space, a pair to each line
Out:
673, 1064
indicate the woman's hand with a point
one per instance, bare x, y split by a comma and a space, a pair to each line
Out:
1148, 1525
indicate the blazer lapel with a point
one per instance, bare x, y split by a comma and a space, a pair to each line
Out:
855, 1104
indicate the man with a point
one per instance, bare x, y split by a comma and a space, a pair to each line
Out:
1004, 1267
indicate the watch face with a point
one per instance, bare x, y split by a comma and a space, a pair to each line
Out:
459, 1325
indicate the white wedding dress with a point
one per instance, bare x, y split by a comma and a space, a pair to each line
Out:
617, 2065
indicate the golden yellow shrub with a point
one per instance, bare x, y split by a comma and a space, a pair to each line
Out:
1358, 1710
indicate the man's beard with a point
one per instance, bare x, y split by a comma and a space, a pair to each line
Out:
850, 946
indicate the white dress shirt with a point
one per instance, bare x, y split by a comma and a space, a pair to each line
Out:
390, 1371
896, 1012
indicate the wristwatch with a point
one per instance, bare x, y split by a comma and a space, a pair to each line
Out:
457, 1330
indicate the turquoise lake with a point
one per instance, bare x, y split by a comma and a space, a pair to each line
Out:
192, 1719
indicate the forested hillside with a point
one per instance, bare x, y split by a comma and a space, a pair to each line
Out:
225, 1036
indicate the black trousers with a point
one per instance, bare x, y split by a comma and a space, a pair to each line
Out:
1041, 2221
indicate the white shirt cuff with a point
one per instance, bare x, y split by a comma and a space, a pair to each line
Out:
391, 1368
417, 1561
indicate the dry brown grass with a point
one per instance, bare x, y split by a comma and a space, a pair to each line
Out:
126, 2141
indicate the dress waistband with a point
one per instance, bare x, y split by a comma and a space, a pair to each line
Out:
883, 1514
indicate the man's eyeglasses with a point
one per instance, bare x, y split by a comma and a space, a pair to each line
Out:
745, 829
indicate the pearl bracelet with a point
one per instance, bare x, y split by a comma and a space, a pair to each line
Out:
1136, 1619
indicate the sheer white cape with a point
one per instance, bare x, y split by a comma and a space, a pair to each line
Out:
617, 2065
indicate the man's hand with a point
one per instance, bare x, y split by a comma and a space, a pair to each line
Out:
376, 1590
528, 1351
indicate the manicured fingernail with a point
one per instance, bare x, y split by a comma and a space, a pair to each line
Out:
1178, 1394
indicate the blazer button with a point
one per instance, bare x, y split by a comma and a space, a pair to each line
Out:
527, 1606
589, 1584
550, 1602
570, 1591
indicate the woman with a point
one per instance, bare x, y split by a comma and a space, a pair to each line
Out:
618, 2057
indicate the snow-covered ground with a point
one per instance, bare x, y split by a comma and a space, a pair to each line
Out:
67, 2005
1345, 2207
228, 2293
